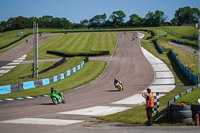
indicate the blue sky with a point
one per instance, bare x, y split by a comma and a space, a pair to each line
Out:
76, 10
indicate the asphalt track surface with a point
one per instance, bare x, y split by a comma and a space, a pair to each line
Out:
18, 51
127, 64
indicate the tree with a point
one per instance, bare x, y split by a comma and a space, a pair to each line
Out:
159, 18
117, 18
97, 20
155, 19
174, 22
84, 23
134, 21
187, 15
65, 23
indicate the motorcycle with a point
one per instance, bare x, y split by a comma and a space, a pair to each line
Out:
118, 85
56, 98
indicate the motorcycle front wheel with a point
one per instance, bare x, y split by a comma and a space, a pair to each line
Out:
54, 100
63, 99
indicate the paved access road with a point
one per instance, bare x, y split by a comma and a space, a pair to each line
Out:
127, 64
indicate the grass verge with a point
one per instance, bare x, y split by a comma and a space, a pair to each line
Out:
25, 69
90, 71
180, 79
191, 97
137, 115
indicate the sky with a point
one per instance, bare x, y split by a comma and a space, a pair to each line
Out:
77, 10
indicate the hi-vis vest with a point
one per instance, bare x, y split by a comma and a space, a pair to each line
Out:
150, 102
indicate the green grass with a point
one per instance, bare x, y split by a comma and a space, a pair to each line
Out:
137, 115
77, 42
191, 97
90, 71
180, 79
187, 58
10, 36
181, 30
25, 70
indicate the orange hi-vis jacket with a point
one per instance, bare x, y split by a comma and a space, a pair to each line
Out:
150, 102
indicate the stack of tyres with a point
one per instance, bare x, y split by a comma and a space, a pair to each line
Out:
195, 110
180, 113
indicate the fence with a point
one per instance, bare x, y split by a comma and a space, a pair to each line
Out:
42, 82
185, 70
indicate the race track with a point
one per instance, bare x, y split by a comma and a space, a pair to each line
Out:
127, 64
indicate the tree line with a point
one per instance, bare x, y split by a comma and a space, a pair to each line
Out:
185, 15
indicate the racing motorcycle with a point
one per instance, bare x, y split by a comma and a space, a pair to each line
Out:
118, 85
56, 98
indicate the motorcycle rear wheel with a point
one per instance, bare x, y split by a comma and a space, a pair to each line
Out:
119, 88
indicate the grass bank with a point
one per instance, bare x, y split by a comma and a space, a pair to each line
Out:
23, 70
180, 79
90, 71
137, 115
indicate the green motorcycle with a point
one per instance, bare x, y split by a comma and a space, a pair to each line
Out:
56, 98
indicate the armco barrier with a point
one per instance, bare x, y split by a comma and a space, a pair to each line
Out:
34, 84
158, 47
185, 70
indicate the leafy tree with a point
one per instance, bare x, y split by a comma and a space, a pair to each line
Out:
155, 19
84, 23
174, 22
135, 21
117, 18
64, 23
187, 15
97, 20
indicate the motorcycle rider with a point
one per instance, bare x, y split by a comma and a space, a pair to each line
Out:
116, 81
53, 90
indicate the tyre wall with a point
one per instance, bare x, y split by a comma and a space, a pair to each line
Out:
180, 113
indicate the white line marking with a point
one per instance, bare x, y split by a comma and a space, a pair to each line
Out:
160, 67
4, 71
8, 67
29, 97
17, 60
161, 88
41, 121
164, 81
13, 63
9, 99
135, 99
164, 74
97, 111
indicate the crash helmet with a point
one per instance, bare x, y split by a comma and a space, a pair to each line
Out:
52, 89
